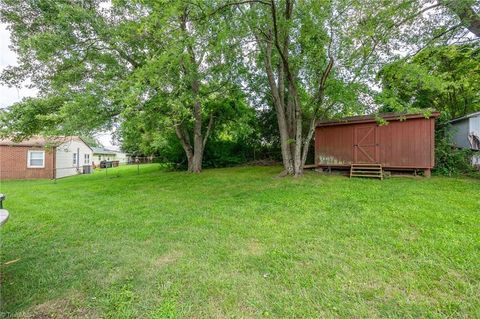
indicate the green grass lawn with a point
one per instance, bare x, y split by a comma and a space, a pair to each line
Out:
240, 243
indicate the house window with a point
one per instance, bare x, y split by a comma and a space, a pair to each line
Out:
36, 159
86, 158
74, 158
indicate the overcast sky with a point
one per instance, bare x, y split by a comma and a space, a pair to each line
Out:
8, 95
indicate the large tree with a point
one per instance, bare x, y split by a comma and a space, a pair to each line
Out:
95, 62
320, 57
316, 57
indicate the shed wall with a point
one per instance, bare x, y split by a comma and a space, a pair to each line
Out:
400, 144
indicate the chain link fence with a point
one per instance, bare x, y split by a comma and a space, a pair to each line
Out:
50, 172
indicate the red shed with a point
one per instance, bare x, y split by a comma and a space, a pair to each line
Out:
406, 142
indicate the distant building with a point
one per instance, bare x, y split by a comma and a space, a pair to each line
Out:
40, 157
102, 154
465, 133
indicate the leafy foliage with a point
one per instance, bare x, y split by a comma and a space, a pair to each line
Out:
164, 70
95, 64
239, 137
449, 160
446, 78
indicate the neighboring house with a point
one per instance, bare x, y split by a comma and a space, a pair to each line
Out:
123, 158
465, 133
103, 154
40, 157
71, 156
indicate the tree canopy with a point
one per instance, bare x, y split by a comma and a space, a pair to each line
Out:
177, 70
97, 64
446, 78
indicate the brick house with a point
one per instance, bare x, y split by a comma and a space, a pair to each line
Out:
39, 157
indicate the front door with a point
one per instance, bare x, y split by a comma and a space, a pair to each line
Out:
365, 148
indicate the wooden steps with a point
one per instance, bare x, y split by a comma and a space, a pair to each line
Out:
366, 170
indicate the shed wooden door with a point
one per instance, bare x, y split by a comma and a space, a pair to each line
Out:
365, 147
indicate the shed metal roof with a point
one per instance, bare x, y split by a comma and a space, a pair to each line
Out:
464, 117
373, 118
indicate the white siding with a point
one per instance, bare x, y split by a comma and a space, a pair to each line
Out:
64, 164
475, 125
122, 158
459, 133
97, 158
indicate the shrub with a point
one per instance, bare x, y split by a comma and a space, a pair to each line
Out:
450, 160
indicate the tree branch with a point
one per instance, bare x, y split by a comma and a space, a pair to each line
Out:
435, 38
468, 17
209, 128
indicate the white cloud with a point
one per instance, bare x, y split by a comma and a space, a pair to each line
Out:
106, 139
9, 95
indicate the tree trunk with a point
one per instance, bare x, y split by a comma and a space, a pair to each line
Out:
298, 133
198, 148
184, 138
284, 92
190, 164
197, 131
196, 164
278, 102
195, 154
285, 145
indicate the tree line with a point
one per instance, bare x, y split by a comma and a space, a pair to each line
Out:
176, 74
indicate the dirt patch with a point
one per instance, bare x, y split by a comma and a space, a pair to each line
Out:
168, 258
410, 234
63, 308
253, 248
